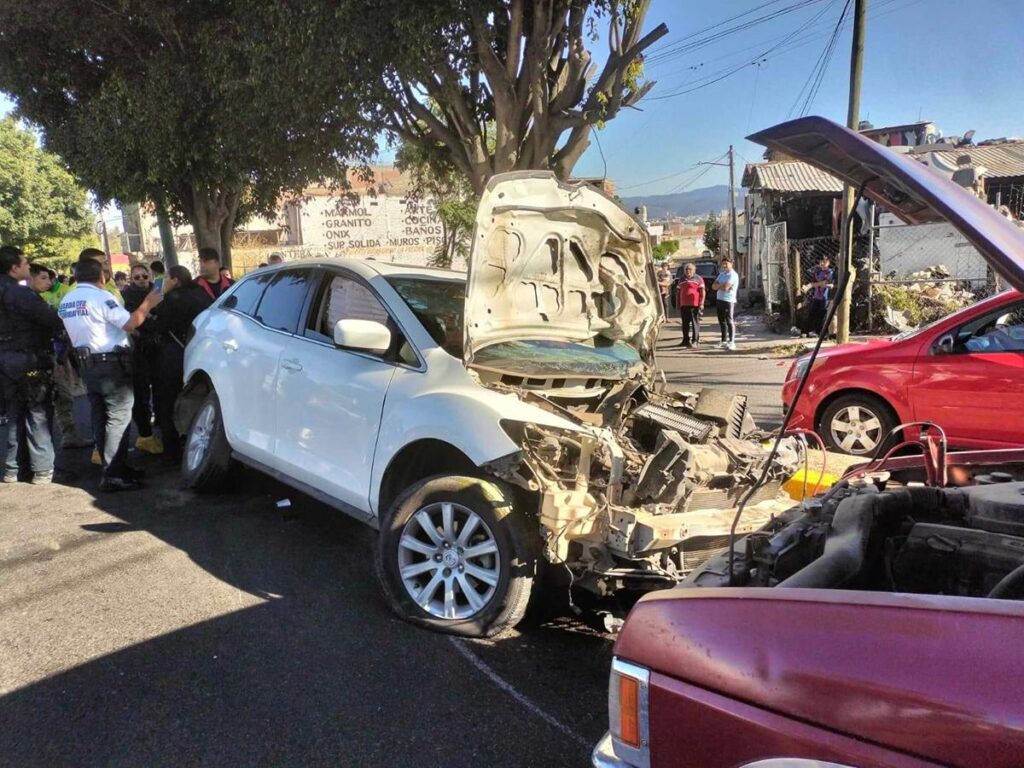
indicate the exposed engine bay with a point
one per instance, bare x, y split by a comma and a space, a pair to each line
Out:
878, 533
645, 490
635, 488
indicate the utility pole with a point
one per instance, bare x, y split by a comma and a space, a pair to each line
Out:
852, 122
733, 240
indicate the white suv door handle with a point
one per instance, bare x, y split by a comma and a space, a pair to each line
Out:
231, 345
291, 365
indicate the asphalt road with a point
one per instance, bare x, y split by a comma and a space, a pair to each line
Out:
162, 628
744, 371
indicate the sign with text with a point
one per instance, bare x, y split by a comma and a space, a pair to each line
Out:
389, 228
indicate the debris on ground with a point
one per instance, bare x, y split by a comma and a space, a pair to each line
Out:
926, 295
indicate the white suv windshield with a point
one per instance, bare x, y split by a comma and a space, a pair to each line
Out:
547, 358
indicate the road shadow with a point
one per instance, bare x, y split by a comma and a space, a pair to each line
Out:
318, 673
270, 685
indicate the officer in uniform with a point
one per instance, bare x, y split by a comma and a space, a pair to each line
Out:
27, 329
98, 327
183, 301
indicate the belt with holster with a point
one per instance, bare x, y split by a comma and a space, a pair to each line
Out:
86, 359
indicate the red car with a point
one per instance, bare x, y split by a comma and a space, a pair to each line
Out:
964, 373
879, 624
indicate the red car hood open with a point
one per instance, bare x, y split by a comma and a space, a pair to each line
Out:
904, 186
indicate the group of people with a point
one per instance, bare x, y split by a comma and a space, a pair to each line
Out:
691, 297
123, 347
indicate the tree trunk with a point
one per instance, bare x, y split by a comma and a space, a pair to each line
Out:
213, 212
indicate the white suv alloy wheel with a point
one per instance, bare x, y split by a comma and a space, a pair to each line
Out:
448, 560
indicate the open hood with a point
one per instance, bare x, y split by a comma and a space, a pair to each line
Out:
559, 263
903, 185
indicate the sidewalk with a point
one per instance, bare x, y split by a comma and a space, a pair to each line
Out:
753, 337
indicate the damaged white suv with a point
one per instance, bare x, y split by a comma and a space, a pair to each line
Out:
483, 425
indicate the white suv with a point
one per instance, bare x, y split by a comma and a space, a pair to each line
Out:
483, 425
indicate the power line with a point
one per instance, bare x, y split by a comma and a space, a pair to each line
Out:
753, 96
808, 34
682, 47
817, 74
604, 174
694, 179
671, 175
758, 59
669, 44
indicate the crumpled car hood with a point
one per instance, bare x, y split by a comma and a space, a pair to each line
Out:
903, 185
558, 262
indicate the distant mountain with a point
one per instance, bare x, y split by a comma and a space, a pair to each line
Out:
689, 203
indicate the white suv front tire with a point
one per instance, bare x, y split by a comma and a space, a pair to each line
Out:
455, 555
207, 456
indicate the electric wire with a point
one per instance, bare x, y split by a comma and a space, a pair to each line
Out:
817, 30
673, 175
604, 173
785, 44
681, 47
813, 83
758, 59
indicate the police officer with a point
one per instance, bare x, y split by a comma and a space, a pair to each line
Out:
98, 327
183, 301
27, 329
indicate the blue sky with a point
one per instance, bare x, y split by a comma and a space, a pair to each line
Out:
956, 64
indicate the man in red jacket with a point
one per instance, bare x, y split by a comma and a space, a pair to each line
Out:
210, 279
690, 300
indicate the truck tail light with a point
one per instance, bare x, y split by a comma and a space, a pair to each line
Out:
628, 714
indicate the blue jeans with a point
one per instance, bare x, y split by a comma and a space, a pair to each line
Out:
32, 424
111, 395
24, 423
725, 319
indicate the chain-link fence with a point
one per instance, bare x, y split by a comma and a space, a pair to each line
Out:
923, 272
906, 275
773, 264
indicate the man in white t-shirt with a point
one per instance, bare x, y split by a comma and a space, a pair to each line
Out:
98, 327
726, 284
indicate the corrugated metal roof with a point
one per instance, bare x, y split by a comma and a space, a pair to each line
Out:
789, 176
1000, 160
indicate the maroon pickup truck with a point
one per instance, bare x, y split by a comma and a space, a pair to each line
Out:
729, 677
878, 625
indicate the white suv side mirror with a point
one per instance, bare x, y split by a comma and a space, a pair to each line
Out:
362, 335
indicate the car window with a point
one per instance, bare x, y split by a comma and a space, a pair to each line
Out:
999, 331
345, 298
283, 299
246, 295
348, 299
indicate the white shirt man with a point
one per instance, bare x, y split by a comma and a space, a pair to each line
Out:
96, 322
94, 319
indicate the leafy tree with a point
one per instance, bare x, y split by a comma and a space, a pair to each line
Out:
434, 177
509, 78
664, 249
215, 108
42, 209
712, 233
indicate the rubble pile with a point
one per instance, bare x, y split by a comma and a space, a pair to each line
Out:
931, 295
